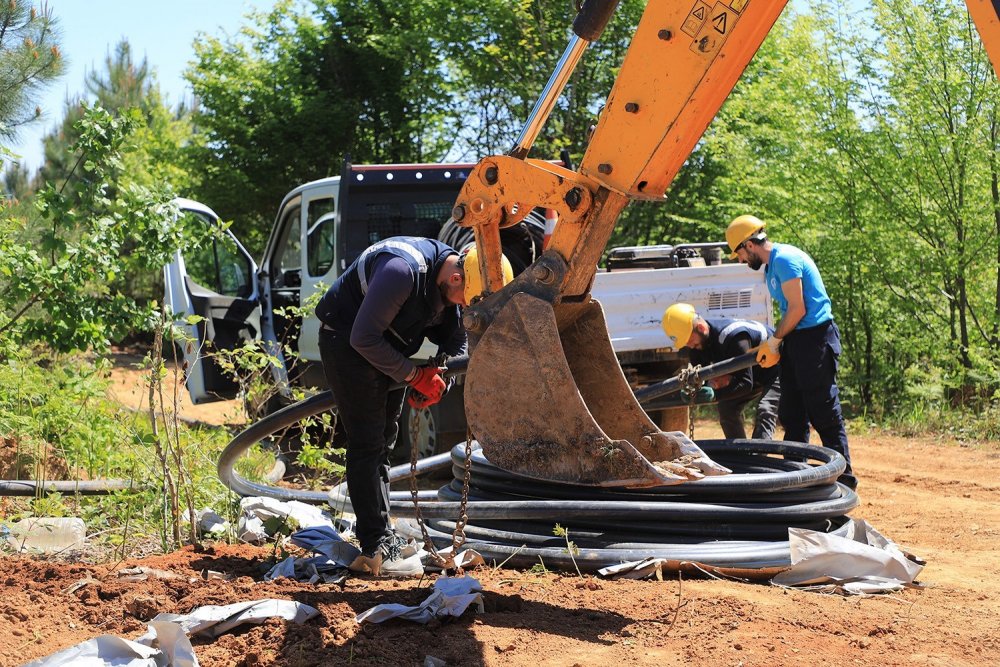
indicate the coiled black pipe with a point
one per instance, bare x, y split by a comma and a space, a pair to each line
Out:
760, 559
733, 524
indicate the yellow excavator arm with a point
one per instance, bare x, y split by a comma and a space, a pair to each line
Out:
545, 395
986, 15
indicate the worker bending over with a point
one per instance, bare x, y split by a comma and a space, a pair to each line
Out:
806, 339
712, 341
375, 315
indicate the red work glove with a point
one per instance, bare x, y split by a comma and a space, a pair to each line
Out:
426, 388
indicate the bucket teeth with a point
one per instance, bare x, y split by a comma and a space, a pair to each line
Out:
555, 405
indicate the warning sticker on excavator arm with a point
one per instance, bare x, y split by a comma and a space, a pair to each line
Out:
695, 18
719, 22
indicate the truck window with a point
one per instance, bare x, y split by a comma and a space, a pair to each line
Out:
371, 222
321, 236
288, 272
219, 265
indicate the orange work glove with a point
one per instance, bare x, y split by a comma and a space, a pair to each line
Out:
769, 352
426, 388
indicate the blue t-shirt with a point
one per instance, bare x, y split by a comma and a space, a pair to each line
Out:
788, 263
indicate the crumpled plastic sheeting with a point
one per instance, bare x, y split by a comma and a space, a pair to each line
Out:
209, 522
326, 541
311, 570
467, 559
261, 517
213, 620
862, 563
451, 597
174, 650
637, 569
329, 567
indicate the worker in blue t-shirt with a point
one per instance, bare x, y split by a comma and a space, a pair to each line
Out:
806, 339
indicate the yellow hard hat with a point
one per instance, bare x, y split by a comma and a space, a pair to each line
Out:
678, 323
740, 230
474, 279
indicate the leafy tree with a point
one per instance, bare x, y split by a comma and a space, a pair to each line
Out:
285, 100
150, 157
29, 60
62, 289
499, 57
123, 84
867, 138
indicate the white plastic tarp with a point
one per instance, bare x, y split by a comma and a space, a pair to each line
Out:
451, 597
261, 517
214, 620
863, 562
637, 569
174, 650
326, 541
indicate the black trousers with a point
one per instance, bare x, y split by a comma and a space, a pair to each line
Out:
369, 413
809, 393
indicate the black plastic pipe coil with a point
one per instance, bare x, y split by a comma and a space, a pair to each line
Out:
734, 524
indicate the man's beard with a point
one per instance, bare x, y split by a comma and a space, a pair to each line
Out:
755, 263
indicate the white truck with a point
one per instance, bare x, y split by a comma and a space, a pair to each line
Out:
322, 226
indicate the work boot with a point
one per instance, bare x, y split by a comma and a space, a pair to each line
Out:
394, 557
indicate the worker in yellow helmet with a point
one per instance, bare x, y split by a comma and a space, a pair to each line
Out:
474, 278
376, 315
806, 340
715, 340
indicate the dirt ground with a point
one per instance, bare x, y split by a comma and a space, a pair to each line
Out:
933, 496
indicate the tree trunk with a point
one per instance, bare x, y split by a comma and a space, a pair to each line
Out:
995, 192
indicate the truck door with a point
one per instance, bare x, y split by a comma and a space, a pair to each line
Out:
300, 260
319, 232
216, 282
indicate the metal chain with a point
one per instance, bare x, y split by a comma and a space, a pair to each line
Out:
458, 535
690, 381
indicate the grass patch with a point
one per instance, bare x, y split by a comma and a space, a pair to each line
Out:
58, 423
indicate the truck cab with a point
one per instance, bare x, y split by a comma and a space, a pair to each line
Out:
322, 226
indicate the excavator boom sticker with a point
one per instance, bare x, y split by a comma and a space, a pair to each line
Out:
718, 23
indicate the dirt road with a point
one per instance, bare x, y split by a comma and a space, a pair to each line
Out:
933, 496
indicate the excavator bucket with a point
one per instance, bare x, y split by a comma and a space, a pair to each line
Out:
584, 425
545, 395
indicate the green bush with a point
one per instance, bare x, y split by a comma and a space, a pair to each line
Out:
56, 407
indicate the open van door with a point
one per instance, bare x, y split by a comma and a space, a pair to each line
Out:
218, 283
